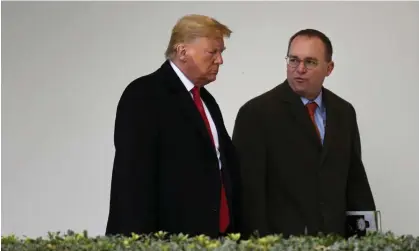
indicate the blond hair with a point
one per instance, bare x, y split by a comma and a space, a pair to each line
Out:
194, 26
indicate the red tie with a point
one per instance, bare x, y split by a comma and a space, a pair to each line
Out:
224, 214
311, 107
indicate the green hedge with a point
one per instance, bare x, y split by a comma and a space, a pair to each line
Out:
161, 241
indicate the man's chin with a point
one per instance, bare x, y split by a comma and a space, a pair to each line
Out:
297, 88
212, 78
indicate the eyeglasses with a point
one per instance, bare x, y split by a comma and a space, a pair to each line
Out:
309, 64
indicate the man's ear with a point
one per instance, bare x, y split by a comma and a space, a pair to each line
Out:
330, 68
181, 51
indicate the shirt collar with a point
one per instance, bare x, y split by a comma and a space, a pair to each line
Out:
188, 84
318, 100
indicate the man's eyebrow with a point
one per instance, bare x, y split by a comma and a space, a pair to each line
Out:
311, 58
307, 58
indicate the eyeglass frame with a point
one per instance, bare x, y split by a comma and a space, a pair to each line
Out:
287, 58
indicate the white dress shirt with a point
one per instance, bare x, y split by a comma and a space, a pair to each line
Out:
189, 86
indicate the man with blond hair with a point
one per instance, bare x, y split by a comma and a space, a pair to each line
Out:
174, 167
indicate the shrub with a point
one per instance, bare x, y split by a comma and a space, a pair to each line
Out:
161, 241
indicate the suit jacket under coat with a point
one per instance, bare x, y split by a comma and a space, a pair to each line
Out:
166, 175
291, 184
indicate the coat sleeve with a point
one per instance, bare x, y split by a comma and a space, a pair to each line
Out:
251, 152
359, 195
133, 186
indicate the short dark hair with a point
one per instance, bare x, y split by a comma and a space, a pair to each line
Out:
318, 34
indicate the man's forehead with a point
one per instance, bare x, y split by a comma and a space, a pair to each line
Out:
216, 41
307, 47
213, 43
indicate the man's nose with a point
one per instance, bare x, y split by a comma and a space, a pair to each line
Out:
301, 68
219, 60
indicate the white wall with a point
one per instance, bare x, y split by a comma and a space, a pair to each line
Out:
64, 66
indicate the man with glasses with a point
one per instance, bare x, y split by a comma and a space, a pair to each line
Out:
299, 149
